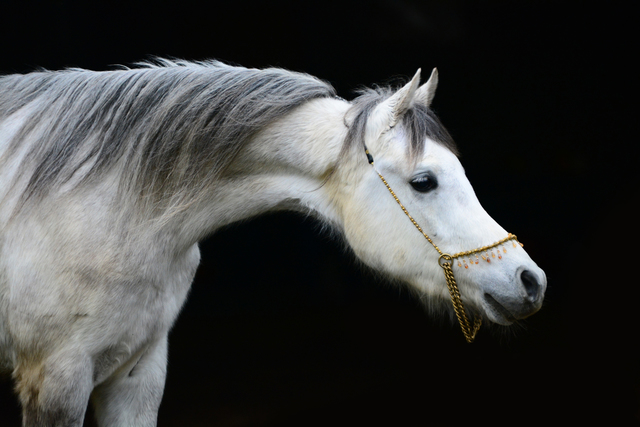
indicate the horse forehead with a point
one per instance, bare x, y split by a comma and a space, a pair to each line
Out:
433, 155
437, 156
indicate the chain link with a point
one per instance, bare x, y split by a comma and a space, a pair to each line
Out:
468, 332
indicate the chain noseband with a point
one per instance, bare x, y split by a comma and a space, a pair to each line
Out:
446, 261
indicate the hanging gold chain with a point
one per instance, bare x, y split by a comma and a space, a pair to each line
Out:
468, 332
446, 261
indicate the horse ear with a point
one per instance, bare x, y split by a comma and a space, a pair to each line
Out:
427, 91
392, 109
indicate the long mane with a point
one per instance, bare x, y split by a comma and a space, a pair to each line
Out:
172, 126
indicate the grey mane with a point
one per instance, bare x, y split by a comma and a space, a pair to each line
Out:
174, 125
419, 122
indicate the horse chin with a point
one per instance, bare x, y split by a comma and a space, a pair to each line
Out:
496, 312
507, 312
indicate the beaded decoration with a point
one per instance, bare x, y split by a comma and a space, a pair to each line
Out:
487, 253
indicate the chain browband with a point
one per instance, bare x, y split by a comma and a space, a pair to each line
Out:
446, 262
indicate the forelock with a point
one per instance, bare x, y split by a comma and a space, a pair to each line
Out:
419, 123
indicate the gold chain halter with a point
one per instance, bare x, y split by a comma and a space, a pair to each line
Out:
446, 262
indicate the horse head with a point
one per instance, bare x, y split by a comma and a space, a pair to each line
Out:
412, 202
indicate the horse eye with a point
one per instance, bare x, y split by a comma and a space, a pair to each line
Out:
424, 183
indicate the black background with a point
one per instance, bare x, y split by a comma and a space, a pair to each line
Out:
283, 329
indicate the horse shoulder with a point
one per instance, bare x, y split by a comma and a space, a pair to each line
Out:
79, 274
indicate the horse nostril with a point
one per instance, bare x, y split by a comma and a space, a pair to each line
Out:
531, 285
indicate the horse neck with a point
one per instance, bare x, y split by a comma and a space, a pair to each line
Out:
284, 168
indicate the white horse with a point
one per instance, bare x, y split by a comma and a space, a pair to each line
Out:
108, 180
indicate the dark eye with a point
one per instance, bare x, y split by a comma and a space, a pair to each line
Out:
424, 183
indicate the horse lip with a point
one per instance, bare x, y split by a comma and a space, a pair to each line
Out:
498, 309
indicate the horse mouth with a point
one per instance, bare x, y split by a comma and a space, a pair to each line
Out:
498, 311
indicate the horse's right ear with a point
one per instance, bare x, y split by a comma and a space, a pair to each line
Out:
427, 91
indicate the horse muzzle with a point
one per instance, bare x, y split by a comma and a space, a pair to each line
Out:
504, 307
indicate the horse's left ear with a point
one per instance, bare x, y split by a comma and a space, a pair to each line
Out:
390, 112
427, 91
